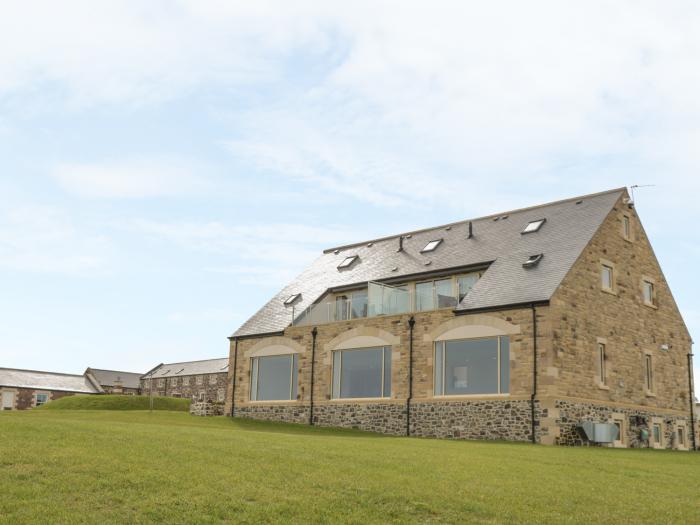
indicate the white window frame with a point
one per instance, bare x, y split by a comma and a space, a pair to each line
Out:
336, 390
213, 379
200, 380
220, 395
533, 226
36, 398
443, 382
186, 381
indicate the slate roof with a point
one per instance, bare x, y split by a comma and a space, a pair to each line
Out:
497, 242
12, 377
112, 377
189, 368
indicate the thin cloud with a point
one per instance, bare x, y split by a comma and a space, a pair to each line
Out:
47, 240
128, 179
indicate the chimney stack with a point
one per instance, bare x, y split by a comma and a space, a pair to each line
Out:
400, 243
471, 231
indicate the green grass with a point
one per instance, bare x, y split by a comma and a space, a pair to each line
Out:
106, 402
72, 466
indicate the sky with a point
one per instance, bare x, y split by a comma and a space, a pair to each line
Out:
168, 166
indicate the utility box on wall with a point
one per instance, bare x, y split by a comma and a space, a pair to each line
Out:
600, 432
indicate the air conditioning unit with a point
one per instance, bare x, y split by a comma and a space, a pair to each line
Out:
600, 432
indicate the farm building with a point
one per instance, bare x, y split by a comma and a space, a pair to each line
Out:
117, 382
204, 380
552, 324
24, 389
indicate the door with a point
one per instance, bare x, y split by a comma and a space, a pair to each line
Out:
8, 400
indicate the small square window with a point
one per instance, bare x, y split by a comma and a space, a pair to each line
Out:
347, 262
291, 299
42, 399
431, 246
533, 226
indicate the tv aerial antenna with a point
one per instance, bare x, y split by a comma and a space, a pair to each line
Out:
635, 186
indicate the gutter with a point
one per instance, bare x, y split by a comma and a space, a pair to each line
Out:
314, 333
511, 306
533, 397
411, 324
233, 379
691, 399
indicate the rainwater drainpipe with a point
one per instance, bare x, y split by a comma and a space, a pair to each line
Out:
691, 397
314, 333
534, 372
411, 324
235, 370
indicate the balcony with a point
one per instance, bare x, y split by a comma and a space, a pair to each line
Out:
381, 299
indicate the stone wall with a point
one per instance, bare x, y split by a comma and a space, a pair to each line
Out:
509, 420
186, 386
205, 408
25, 397
284, 413
572, 413
583, 315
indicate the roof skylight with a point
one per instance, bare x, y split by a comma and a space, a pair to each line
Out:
347, 262
533, 260
533, 226
431, 246
291, 299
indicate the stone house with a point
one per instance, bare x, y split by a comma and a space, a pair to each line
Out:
205, 380
25, 389
117, 382
522, 326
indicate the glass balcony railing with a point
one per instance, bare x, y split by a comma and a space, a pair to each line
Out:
379, 299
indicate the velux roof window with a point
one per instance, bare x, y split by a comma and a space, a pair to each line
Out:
533, 261
291, 299
431, 246
533, 226
347, 262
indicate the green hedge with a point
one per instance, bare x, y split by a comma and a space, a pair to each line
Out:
109, 402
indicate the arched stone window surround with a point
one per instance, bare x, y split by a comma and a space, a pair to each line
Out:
274, 346
471, 327
362, 337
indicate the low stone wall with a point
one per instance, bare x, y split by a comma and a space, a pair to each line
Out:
571, 414
385, 418
281, 412
497, 419
204, 408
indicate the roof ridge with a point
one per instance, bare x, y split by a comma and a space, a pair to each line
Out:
42, 372
119, 371
196, 361
483, 217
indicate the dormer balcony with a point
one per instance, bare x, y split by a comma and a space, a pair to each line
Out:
378, 299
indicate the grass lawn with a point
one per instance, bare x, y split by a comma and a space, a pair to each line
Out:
72, 466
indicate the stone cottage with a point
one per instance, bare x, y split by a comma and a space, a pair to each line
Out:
204, 380
24, 389
526, 325
117, 382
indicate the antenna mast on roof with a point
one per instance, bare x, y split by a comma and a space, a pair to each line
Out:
635, 186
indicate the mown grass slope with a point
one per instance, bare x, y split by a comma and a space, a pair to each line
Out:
71, 466
108, 402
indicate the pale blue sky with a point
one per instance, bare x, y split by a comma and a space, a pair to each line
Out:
167, 166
